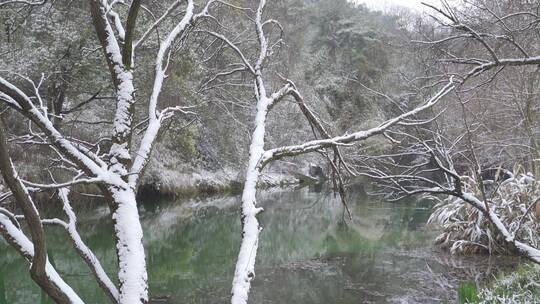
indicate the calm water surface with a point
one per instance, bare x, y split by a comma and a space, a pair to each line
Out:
307, 253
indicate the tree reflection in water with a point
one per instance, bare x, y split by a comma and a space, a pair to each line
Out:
308, 253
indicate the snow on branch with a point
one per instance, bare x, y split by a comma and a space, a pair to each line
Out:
155, 118
460, 25
63, 185
24, 2
84, 251
156, 23
18, 240
117, 21
530, 252
431, 172
117, 173
503, 62
315, 145
23, 104
235, 48
35, 251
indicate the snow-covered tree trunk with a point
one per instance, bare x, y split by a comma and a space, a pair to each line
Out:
131, 258
132, 273
245, 265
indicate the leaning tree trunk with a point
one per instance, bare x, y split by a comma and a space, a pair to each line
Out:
245, 266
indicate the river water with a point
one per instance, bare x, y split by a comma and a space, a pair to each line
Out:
308, 253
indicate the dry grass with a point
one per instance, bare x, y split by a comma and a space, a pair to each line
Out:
466, 230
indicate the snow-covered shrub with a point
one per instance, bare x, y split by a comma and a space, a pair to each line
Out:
522, 286
467, 230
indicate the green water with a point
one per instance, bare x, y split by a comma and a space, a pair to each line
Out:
307, 253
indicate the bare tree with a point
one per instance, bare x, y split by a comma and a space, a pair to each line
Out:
488, 47
259, 157
116, 172
431, 170
491, 47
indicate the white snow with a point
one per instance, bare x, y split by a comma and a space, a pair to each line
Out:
132, 264
528, 251
71, 227
314, 145
155, 120
245, 265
